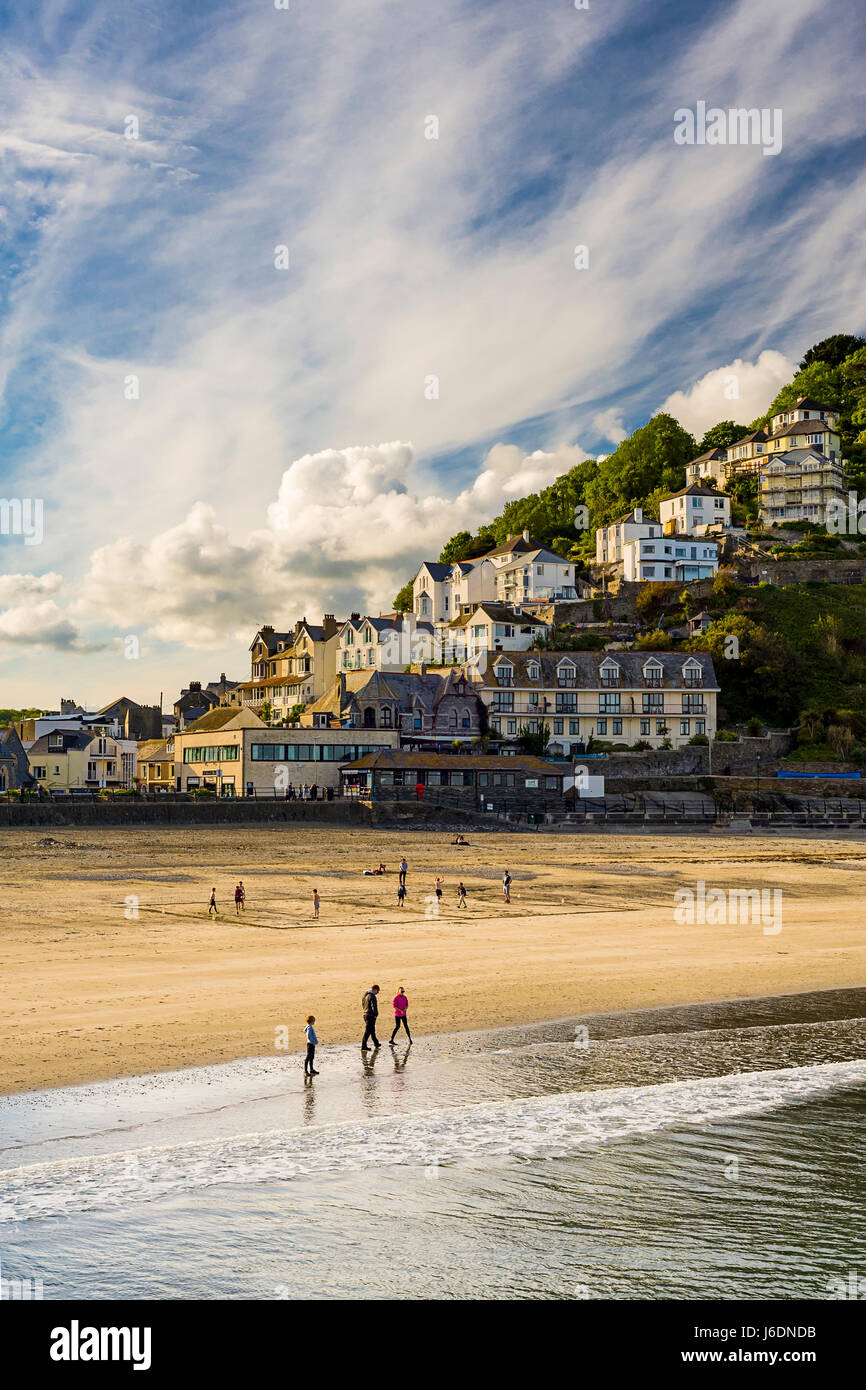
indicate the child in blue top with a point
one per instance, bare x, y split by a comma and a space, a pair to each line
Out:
312, 1040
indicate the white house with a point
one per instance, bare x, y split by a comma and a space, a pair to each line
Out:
442, 591
691, 510
669, 557
536, 574
492, 627
388, 643
609, 540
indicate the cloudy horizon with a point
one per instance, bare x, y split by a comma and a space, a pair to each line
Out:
291, 296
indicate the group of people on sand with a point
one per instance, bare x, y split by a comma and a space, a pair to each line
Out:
438, 889
370, 1011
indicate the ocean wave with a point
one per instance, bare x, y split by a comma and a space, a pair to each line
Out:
539, 1128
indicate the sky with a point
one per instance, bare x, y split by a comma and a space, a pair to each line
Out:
291, 292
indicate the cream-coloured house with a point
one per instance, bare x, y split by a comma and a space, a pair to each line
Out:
156, 765
799, 485
536, 575
289, 668
442, 592
618, 697
67, 760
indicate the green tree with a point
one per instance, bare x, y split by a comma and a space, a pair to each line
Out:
654, 457
833, 350
761, 673
457, 548
535, 744
721, 435
403, 600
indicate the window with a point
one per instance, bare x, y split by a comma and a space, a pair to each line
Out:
551, 783
566, 675
534, 672
574, 726
652, 676
503, 700
608, 702
693, 704
617, 726
557, 726
684, 726
652, 704
504, 674
661, 726
610, 674
601, 726
566, 704
700, 726
512, 726
644, 727
39, 773
482, 779
509, 779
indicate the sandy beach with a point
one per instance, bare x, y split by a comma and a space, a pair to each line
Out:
111, 966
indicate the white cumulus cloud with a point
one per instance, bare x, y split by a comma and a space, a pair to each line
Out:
738, 392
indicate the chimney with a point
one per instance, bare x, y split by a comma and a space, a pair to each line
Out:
638, 514
222, 677
329, 625
354, 617
267, 628
526, 535
423, 671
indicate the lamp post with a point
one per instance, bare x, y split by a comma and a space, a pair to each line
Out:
757, 778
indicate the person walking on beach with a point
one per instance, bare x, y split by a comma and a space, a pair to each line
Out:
401, 895
461, 894
506, 886
401, 1008
312, 1040
438, 890
316, 902
370, 1009
239, 899
212, 910
403, 869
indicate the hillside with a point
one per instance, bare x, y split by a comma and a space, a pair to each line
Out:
651, 462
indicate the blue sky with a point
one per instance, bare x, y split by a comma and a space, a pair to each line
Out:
220, 442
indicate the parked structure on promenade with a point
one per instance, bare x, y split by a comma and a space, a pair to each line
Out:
474, 780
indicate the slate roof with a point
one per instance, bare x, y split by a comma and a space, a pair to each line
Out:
810, 426
72, 739
694, 490
588, 665
499, 613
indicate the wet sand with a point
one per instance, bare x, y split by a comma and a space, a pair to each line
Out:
111, 966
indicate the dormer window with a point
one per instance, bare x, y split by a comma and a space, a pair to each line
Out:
652, 675
610, 673
534, 672
505, 673
566, 674
693, 674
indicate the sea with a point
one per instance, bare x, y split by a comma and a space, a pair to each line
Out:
713, 1151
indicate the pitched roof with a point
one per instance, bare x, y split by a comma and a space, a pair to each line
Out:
271, 639
499, 613
154, 750
587, 666
222, 718
809, 426
72, 739
756, 437
708, 456
531, 557
511, 545
694, 490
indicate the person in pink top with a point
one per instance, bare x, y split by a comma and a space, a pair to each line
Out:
401, 1008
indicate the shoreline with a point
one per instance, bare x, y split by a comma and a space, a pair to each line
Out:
91, 995
732, 1006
